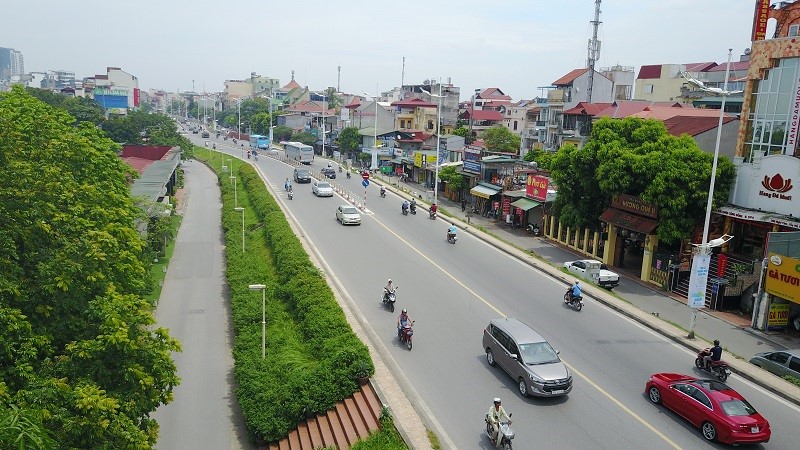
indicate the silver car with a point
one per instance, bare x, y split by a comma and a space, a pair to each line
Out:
348, 215
322, 189
781, 363
527, 357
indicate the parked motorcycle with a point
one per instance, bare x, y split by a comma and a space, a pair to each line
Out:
505, 433
451, 237
533, 228
389, 299
406, 334
575, 302
719, 369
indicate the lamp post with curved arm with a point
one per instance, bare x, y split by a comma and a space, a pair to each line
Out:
438, 140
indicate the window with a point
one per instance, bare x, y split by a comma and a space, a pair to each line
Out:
648, 88
779, 357
793, 30
430, 124
701, 397
794, 364
515, 125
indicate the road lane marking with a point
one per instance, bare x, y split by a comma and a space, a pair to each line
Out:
575, 371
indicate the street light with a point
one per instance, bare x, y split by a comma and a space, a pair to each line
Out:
263, 289
472, 114
438, 140
374, 163
235, 193
698, 279
241, 210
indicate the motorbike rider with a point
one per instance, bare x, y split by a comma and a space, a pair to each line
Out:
403, 321
575, 291
496, 415
405, 206
715, 355
413, 205
434, 208
287, 184
383, 191
389, 288
451, 232
348, 174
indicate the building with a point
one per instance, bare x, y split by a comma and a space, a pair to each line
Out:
11, 63
623, 79
663, 82
117, 91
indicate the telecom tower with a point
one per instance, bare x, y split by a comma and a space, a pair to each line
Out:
594, 49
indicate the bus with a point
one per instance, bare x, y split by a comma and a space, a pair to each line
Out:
299, 152
259, 142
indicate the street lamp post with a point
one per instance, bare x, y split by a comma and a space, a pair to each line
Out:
472, 114
270, 118
241, 210
698, 279
374, 162
263, 289
235, 193
438, 140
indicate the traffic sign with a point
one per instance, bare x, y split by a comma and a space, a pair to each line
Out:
365, 183
365, 175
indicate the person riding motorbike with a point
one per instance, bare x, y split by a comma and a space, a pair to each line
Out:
451, 232
434, 208
402, 321
716, 355
389, 288
413, 206
340, 168
405, 206
575, 291
383, 191
287, 185
496, 415
348, 174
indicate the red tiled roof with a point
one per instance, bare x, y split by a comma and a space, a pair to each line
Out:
494, 94
735, 66
480, 114
413, 103
699, 67
649, 72
151, 152
138, 164
292, 84
590, 109
570, 77
693, 126
496, 103
625, 108
309, 106
667, 112
354, 104
418, 136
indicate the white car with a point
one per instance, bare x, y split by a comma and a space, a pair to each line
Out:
602, 276
322, 189
348, 215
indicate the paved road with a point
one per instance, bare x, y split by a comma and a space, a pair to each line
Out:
452, 292
204, 414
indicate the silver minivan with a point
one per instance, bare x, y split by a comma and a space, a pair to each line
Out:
527, 357
781, 363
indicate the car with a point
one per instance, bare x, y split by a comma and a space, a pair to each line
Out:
348, 215
721, 413
586, 268
205, 134
527, 357
329, 172
302, 175
194, 131
781, 363
321, 189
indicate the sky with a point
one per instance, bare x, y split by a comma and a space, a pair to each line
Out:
515, 45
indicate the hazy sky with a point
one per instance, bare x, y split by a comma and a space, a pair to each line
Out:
516, 45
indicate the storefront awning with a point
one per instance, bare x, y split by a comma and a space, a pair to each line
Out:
515, 194
629, 221
744, 214
483, 191
525, 204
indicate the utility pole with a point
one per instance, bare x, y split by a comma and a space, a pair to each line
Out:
403, 73
594, 49
338, 78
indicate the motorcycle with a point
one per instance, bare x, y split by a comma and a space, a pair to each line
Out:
719, 369
290, 194
413, 208
432, 215
406, 333
451, 237
534, 229
340, 169
348, 175
383, 192
575, 302
389, 299
505, 433
404, 210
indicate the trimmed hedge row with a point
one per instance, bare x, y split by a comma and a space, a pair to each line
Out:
313, 357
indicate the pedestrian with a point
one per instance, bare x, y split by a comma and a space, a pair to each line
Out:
463, 204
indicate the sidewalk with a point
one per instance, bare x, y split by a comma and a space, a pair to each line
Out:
667, 312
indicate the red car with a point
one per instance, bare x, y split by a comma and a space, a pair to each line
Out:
721, 413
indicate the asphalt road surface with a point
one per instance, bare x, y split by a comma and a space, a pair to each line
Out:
452, 291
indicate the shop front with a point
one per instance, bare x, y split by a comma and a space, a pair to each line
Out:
630, 244
487, 199
779, 308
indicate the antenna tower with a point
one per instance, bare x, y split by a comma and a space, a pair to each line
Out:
594, 49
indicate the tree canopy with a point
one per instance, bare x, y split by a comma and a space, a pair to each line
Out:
81, 361
349, 139
638, 157
140, 127
500, 139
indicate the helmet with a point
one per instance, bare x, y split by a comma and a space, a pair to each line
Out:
405, 311
497, 399
390, 280
716, 341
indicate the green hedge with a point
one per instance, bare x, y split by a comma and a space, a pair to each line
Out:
312, 355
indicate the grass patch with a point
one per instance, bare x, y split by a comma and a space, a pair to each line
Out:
158, 271
794, 380
434, 440
386, 439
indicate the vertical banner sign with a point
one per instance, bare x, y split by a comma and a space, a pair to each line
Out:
722, 264
760, 20
698, 280
778, 315
794, 118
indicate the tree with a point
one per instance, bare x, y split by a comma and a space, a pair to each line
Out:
349, 140
461, 131
139, 128
81, 108
637, 157
304, 137
455, 181
500, 139
543, 158
334, 101
69, 249
282, 133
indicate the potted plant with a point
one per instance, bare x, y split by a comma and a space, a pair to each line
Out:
363, 369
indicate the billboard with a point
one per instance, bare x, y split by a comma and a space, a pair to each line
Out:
783, 277
536, 188
760, 18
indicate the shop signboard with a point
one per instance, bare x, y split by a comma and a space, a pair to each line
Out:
783, 277
418, 159
771, 185
472, 159
635, 205
698, 280
536, 187
506, 205
760, 20
778, 315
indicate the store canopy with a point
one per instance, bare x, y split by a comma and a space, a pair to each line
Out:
525, 204
629, 221
483, 191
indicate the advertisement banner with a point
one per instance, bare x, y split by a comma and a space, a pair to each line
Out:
506, 205
778, 315
698, 280
794, 118
722, 264
760, 20
536, 188
783, 277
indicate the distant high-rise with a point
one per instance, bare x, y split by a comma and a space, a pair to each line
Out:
11, 63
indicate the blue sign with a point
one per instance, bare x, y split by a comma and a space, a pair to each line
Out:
365, 183
474, 167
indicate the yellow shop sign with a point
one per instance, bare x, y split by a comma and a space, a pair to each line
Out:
783, 277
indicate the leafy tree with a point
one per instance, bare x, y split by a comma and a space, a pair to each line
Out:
500, 139
81, 108
461, 131
637, 157
139, 128
349, 140
305, 137
80, 350
334, 101
282, 133
543, 158
261, 124
455, 181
